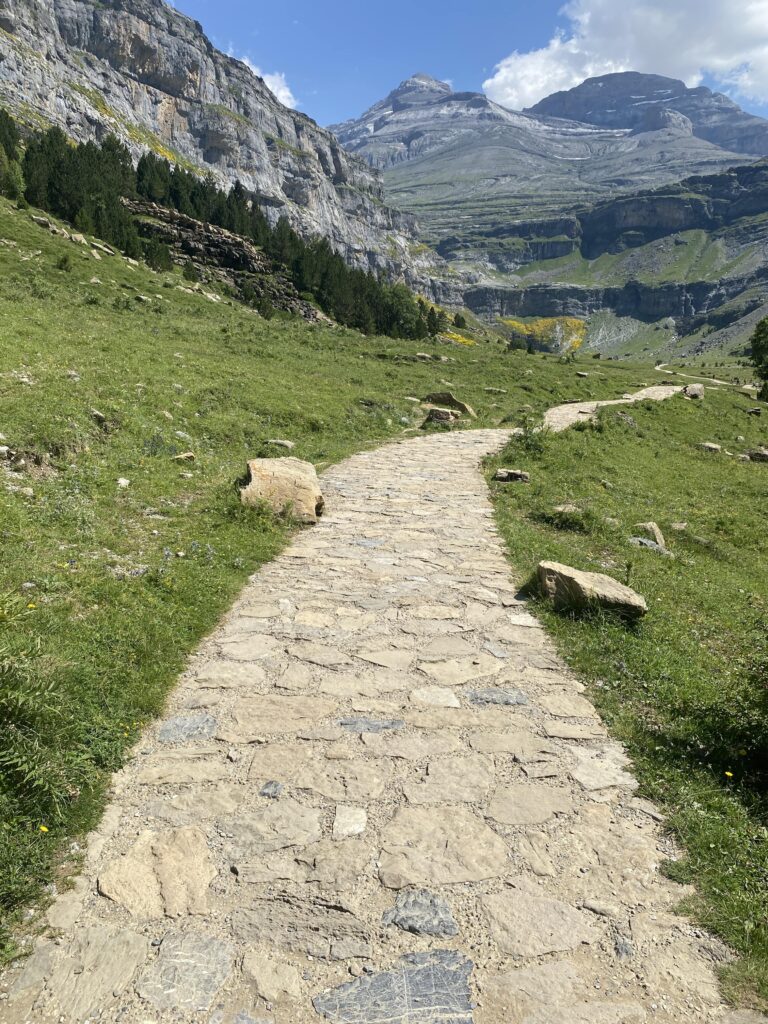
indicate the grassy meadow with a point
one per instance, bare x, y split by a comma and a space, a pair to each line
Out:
108, 371
687, 689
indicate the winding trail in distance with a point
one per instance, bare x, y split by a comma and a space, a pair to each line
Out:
378, 796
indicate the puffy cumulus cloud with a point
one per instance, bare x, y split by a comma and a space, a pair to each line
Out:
726, 40
275, 81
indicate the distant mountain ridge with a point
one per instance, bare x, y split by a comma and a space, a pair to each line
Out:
637, 101
469, 168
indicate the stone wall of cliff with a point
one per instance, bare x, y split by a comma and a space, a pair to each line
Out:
144, 71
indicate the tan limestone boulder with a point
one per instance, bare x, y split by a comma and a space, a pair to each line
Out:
571, 588
285, 485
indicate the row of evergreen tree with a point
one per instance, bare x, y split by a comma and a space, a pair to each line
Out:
84, 184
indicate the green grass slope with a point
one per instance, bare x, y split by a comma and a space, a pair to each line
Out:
687, 690
107, 372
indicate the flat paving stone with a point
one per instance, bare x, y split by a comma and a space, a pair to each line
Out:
188, 972
424, 988
183, 728
423, 913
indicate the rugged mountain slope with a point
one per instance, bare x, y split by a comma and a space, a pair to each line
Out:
143, 70
472, 169
639, 102
696, 252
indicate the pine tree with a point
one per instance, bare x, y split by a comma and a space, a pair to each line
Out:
760, 354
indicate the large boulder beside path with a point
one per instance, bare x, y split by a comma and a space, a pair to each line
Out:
287, 486
574, 590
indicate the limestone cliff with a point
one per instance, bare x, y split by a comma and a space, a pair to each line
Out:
144, 71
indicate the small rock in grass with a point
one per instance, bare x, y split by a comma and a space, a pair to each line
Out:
570, 588
448, 400
694, 391
512, 476
653, 529
757, 411
280, 443
650, 545
708, 446
184, 457
122, 483
758, 455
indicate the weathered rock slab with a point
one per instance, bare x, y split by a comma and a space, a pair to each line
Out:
285, 485
574, 589
423, 913
189, 970
437, 846
424, 988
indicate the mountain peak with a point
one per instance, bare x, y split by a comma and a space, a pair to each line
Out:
631, 100
417, 90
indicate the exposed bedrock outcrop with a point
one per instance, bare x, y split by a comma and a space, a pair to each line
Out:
144, 71
687, 303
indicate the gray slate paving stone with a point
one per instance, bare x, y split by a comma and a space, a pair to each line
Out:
271, 790
423, 913
188, 972
424, 988
183, 728
361, 725
493, 695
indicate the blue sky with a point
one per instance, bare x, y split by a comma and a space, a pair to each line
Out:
338, 57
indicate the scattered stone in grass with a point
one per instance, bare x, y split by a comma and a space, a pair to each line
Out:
285, 484
495, 391
123, 483
678, 527
758, 454
653, 529
570, 588
99, 417
650, 545
512, 476
694, 391
444, 417
709, 446
756, 411
448, 400
281, 443
581, 373
184, 457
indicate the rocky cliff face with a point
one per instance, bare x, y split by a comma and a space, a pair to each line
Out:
633, 100
144, 71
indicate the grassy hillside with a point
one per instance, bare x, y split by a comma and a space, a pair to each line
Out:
108, 371
688, 689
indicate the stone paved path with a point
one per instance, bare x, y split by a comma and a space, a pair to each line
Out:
378, 797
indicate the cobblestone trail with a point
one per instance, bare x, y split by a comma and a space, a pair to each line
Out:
378, 797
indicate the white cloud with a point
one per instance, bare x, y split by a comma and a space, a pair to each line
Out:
276, 82
726, 40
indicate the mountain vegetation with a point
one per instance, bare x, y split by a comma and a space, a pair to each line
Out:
84, 184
